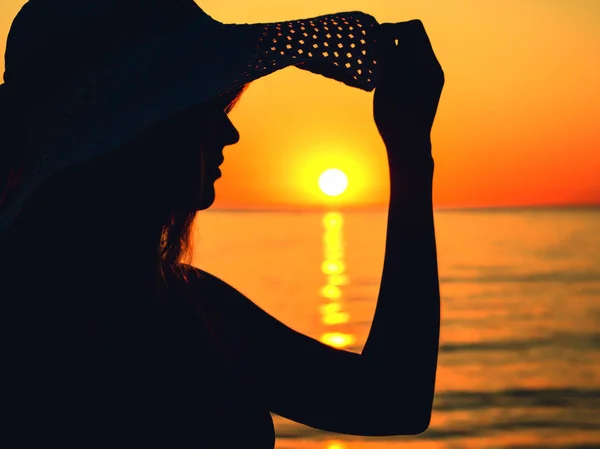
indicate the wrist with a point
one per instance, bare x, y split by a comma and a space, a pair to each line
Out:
411, 167
404, 137
411, 180
412, 153
422, 165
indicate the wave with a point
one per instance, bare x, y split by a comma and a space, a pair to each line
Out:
551, 276
519, 398
556, 340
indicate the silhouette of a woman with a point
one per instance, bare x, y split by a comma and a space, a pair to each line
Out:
110, 339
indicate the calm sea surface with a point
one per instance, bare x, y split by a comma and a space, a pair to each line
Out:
520, 356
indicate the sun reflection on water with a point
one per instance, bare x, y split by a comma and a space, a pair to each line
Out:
335, 445
334, 268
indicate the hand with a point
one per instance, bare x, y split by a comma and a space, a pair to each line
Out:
409, 88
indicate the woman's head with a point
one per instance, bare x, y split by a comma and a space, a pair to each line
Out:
154, 185
172, 169
177, 161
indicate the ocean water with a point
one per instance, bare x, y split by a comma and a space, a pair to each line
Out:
520, 342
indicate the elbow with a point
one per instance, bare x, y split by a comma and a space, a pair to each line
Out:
409, 422
377, 421
417, 427
420, 417
407, 413
406, 428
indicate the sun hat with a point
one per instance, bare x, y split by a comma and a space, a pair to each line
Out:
82, 78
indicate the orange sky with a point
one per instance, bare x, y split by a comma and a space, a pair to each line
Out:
518, 124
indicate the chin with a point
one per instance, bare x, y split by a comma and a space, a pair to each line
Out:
190, 201
207, 200
204, 206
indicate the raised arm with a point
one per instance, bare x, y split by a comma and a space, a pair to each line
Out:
404, 337
388, 389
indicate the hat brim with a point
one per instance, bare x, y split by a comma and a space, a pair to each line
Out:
138, 87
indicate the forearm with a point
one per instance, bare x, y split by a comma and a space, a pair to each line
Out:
405, 333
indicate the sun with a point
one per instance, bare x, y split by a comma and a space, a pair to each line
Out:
333, 182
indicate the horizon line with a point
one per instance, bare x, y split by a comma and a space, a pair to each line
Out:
591, 206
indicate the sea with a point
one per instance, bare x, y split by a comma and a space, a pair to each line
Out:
519, 364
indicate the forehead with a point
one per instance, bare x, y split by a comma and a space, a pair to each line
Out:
207, 109
228, 99
221, 104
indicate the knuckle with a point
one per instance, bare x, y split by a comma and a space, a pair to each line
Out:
418, 25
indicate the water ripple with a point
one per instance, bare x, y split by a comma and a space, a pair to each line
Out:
541, 397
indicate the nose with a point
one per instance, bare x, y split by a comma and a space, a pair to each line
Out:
230, 133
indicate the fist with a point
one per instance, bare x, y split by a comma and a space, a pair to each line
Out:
410, 84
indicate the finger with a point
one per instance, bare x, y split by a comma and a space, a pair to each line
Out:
386, 48
416, 42
417, 29
387, 32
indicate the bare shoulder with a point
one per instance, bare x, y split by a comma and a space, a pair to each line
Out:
193, 275
199, 279
213, 288
227, 301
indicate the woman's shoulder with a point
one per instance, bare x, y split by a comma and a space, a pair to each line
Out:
197, 279
193, 286
209, 292
191, 272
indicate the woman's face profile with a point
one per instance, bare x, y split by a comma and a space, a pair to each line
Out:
190, 153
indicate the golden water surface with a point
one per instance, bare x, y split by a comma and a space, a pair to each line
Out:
520, 360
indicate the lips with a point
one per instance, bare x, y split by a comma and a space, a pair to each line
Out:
217, 170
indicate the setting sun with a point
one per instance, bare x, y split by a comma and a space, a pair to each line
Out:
333, 182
